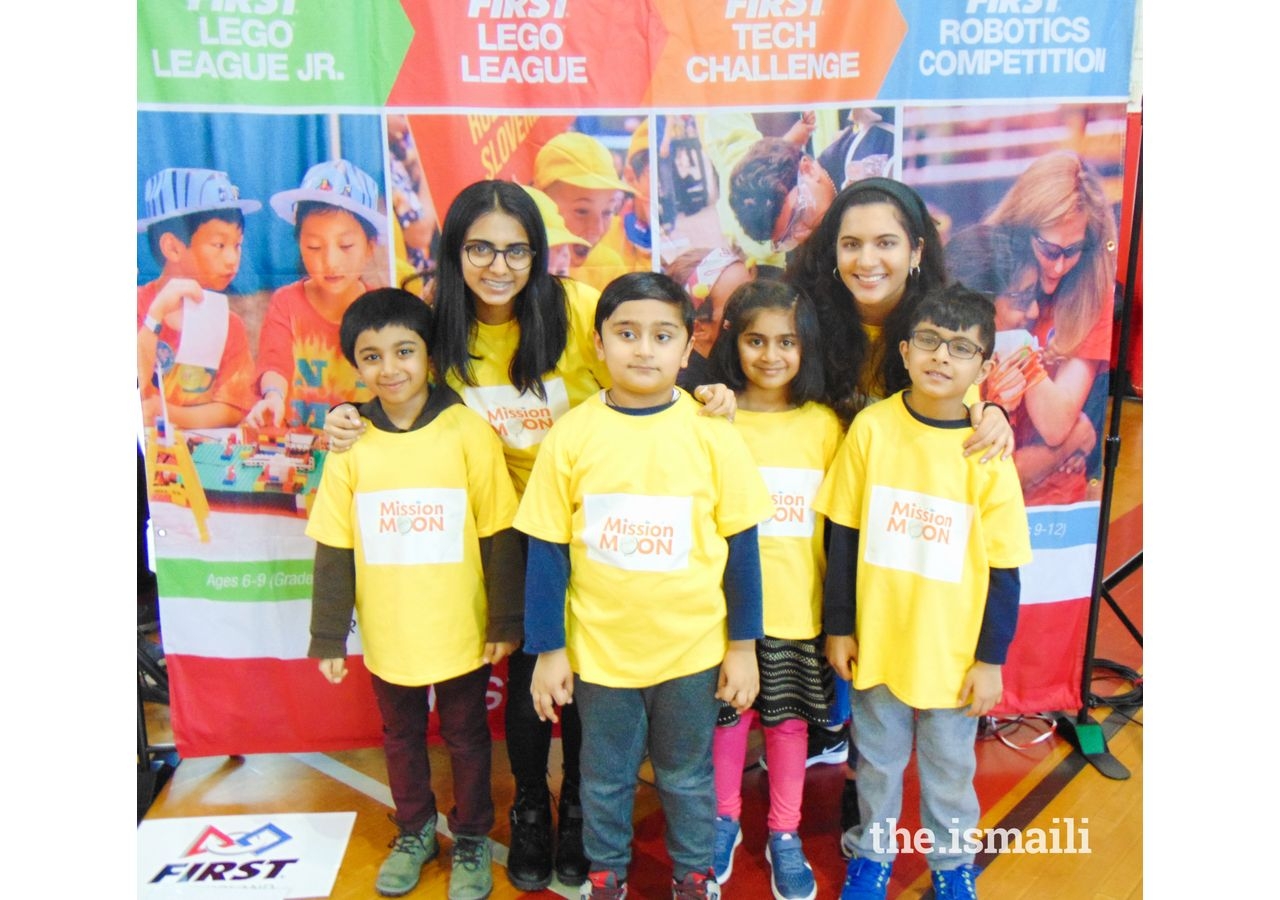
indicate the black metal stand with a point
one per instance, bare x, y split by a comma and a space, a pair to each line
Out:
155, 761
1083, 732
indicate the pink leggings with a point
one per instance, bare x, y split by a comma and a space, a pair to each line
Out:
785, 746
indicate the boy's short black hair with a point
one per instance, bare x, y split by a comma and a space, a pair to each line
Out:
760, 182
376, 309
185, 227
644, 286
957, 308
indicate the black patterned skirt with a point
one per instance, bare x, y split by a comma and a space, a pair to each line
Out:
796, 682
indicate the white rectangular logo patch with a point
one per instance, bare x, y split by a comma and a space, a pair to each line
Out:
521, 420
638, 533
412, 526
792, 492
917, 533
264, 855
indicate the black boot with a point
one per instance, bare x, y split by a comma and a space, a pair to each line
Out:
529, 860
571, 861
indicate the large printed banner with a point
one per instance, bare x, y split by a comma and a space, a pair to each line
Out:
319, 144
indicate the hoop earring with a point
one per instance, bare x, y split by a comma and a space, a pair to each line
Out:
835, 273
915, 272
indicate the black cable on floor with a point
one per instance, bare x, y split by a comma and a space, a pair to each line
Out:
1123, 702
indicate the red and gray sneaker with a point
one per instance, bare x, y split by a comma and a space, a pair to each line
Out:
696, 886
602, 886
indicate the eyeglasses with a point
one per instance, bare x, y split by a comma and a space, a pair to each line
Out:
788, 240
960, 348
1054, 252
481, 254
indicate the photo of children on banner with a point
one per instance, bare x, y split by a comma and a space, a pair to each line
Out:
866, 148
560, 240
414, 223
301, 369
194, 363
628, 233
709, 276
1057, 209
577, 172
998, 263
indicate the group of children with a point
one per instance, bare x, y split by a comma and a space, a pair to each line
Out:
681, 572
194, 362
195, 228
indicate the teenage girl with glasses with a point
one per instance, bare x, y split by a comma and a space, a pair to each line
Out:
516, 343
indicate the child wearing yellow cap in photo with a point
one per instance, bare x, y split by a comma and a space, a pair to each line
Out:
629, 234
576, 171
560, 240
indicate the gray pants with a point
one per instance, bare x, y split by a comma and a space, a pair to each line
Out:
674, 722
884, 728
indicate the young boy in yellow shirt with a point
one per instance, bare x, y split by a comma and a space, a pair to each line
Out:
412, 525
643, 596
921, 595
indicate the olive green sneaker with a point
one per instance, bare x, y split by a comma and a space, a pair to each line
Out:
472, 874
410, 851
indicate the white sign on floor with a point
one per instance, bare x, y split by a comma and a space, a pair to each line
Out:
284, 855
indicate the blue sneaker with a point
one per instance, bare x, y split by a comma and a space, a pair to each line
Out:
866, 879
728, 837
955, 884
792, 876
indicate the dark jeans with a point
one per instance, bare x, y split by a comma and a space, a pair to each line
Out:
464, 725
673, 722
529, 738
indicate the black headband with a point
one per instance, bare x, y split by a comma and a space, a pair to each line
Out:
910, 202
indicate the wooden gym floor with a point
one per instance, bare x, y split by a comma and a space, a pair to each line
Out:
1040, 786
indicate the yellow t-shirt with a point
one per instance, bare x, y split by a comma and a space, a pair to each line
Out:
414, 506
932, 524
632, 257
522, 420
645, 504
793, 450
602, 265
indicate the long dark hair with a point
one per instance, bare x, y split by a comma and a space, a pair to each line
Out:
540, 309
740, 312
846, 349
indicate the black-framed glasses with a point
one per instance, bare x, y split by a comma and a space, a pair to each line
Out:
960, 348
481, 254
1054, 252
